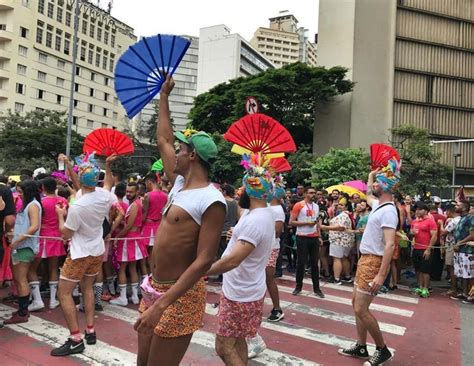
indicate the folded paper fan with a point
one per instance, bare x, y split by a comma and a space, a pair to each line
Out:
157, 166
259, 133
280, 165
380, 154
107, 141
142, 69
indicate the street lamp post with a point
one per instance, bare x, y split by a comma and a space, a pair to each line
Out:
73, 78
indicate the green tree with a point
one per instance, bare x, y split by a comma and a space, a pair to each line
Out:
34, 139
339, 166
301, 163
290, 94
226, 168
421, 165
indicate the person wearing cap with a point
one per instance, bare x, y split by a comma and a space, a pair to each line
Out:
437, 202
84, 262
185, 245
376, 248
243, 265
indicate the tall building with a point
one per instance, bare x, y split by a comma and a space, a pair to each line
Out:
224, 56
184, 92
284, 42
36, 60
413, 63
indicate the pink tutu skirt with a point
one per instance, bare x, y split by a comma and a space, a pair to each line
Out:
130, 250
149, 230
51, 247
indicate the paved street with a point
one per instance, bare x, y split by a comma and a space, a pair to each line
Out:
419, 331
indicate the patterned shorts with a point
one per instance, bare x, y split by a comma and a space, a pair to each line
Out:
367, 269
464, 265
75, 269
185, 315
272, 261
239, 319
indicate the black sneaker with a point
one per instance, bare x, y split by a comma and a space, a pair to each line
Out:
356, 351
91, 338
99, 307
69, 348
296, 291
347, 280
319, 293
276, 315
379, 357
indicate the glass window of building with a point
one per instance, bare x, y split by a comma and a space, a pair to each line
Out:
24, 32
43, 58
23, 51
20, 88
19, 107
50, 10
39, 35
41, 6
21, 69
41, 76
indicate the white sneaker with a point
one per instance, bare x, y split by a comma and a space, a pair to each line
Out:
36, 306
135, 300
119, 301
256, 346
53, 304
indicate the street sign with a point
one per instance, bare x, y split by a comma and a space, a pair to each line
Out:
251, 105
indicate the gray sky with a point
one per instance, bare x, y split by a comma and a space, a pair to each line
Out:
149, 17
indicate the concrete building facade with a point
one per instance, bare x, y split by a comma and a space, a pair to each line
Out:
412, 62
36, 41
224, 56
283, 42
184, 92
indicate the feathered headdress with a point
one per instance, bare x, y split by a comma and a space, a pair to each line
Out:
89, 169
389, 176
258, 181
60, 176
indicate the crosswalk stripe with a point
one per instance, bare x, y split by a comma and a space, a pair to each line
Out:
338, 300
407, 299
206, 339
54, 335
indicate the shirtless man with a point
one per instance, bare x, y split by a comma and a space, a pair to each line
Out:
185, 246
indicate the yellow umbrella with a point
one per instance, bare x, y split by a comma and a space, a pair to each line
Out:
346, 189
16, 178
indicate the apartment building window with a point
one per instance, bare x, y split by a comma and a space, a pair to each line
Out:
60, 82
90, 123
67, 45
19, 107
97, 59
106, 37
84, 27
76, 103
41, 6
83, 53
106, 97
22, 51
104, 63
43, 57
93, 76
50, 10
41, 76
76, 87
41, 94
92, 30
105, 112
20, 88
99, 34
104, 125
112, 62
21, 69
24, 32
3, 27
91, 108
78, 71
61, 64
59, 15
74, 120
25, 3
38, 109
49, 39
59, 99
91, 92
57, 43
68, 19
112, 41
90, 56
106, 81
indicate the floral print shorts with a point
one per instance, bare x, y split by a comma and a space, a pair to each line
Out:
239, 319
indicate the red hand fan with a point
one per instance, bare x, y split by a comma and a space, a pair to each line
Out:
260, 133
380, 154
107, 141
280, 165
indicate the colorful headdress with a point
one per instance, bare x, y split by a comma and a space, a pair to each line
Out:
389, 176
89, 170
280, 186
60, 176
257, 180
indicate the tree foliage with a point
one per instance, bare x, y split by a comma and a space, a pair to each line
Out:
301, 163
421, 166
34, 139
290, 94
226, 168
339, 166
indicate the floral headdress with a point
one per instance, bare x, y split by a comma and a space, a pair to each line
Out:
60, 176
89, 169
280, 186
258, 181
389, 176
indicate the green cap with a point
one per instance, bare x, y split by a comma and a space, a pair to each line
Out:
202, 143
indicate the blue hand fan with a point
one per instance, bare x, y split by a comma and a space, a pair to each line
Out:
142, 69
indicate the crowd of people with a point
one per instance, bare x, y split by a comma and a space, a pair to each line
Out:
86, 236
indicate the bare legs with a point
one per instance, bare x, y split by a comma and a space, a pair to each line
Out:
233, 351
154, 350
365, 321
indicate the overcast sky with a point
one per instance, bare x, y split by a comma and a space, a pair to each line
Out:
149, 17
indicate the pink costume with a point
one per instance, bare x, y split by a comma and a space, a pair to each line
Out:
117, 207
132, 248
50, 228
157, 200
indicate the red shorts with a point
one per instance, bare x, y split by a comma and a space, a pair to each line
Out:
272, 261
239, 319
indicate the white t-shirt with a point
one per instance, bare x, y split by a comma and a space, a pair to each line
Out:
306, 212
85, 218
373, 241
246, 283
194, 201
278, 216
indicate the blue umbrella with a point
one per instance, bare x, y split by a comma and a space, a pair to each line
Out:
142, 69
